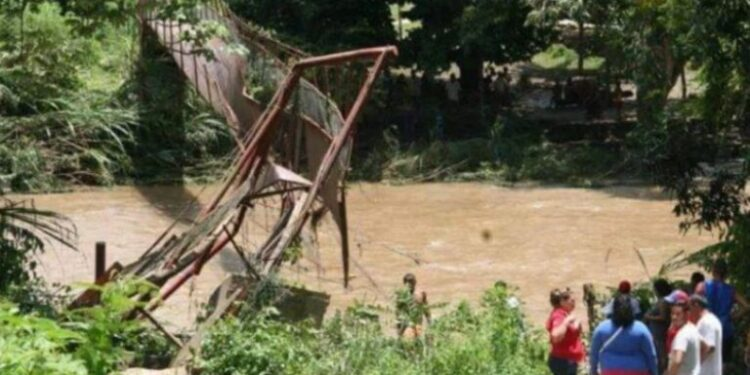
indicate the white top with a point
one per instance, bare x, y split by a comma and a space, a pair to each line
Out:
452, 88
688, 341
709, 327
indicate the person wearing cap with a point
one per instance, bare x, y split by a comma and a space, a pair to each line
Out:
709, 328
685, 352
677, 296
624, 289
622, 345
721, 299
564, 329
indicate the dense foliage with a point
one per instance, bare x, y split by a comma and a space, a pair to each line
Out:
491, 340
94, 106
91, 341
322, 26
470, 33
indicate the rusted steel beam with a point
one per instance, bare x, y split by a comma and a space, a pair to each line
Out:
255, 146
344, 57
282, 98
334, 151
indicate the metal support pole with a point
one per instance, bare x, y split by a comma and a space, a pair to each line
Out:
344, 235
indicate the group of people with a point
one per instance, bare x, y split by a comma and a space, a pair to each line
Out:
688, 332
496, 88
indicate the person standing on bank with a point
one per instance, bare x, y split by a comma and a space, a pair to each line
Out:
658, 321
623, 345
709, 327
565, 334
453, 90
685, 353
412, 310
721, 299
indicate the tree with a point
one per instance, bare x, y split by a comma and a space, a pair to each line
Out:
470, 33
643, 40
550, 11
322, 26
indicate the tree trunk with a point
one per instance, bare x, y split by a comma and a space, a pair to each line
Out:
660, 76
684, 83
580, 45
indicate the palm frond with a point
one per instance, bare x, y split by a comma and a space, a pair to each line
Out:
22, 220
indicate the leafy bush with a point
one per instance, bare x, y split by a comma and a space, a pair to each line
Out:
491, 340
105, 328
39, 58
33, 345
92, 341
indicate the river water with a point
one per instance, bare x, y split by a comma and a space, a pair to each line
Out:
457, 238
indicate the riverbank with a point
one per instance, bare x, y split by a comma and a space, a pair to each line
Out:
458, 238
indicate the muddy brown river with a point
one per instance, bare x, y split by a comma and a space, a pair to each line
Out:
457, 238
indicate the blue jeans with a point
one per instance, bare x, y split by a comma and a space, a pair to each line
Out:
560, 366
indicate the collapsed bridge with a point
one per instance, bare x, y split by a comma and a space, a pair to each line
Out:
293, 144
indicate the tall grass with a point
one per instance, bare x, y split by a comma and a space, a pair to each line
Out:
490, 340
76, 140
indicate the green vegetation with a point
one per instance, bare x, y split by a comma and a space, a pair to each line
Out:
94, 340
491, 340
470, 33
84, 99
514, 151
94, 106
560, 57
39, 334
322, 26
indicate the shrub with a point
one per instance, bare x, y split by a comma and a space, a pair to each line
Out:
490, 340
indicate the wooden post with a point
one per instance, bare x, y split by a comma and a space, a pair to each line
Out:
101, 261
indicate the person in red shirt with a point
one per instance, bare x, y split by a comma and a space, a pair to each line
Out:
677, 296
565, 334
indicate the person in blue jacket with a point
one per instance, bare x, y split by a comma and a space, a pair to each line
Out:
622, 345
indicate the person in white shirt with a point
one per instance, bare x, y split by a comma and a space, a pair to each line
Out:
685, 354
709, 328
453, 90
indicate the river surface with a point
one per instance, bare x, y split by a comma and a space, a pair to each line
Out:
458, 239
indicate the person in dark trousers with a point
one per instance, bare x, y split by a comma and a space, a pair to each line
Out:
658, 320
623, 345
564, 330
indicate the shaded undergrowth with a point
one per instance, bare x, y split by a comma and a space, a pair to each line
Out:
512, 151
